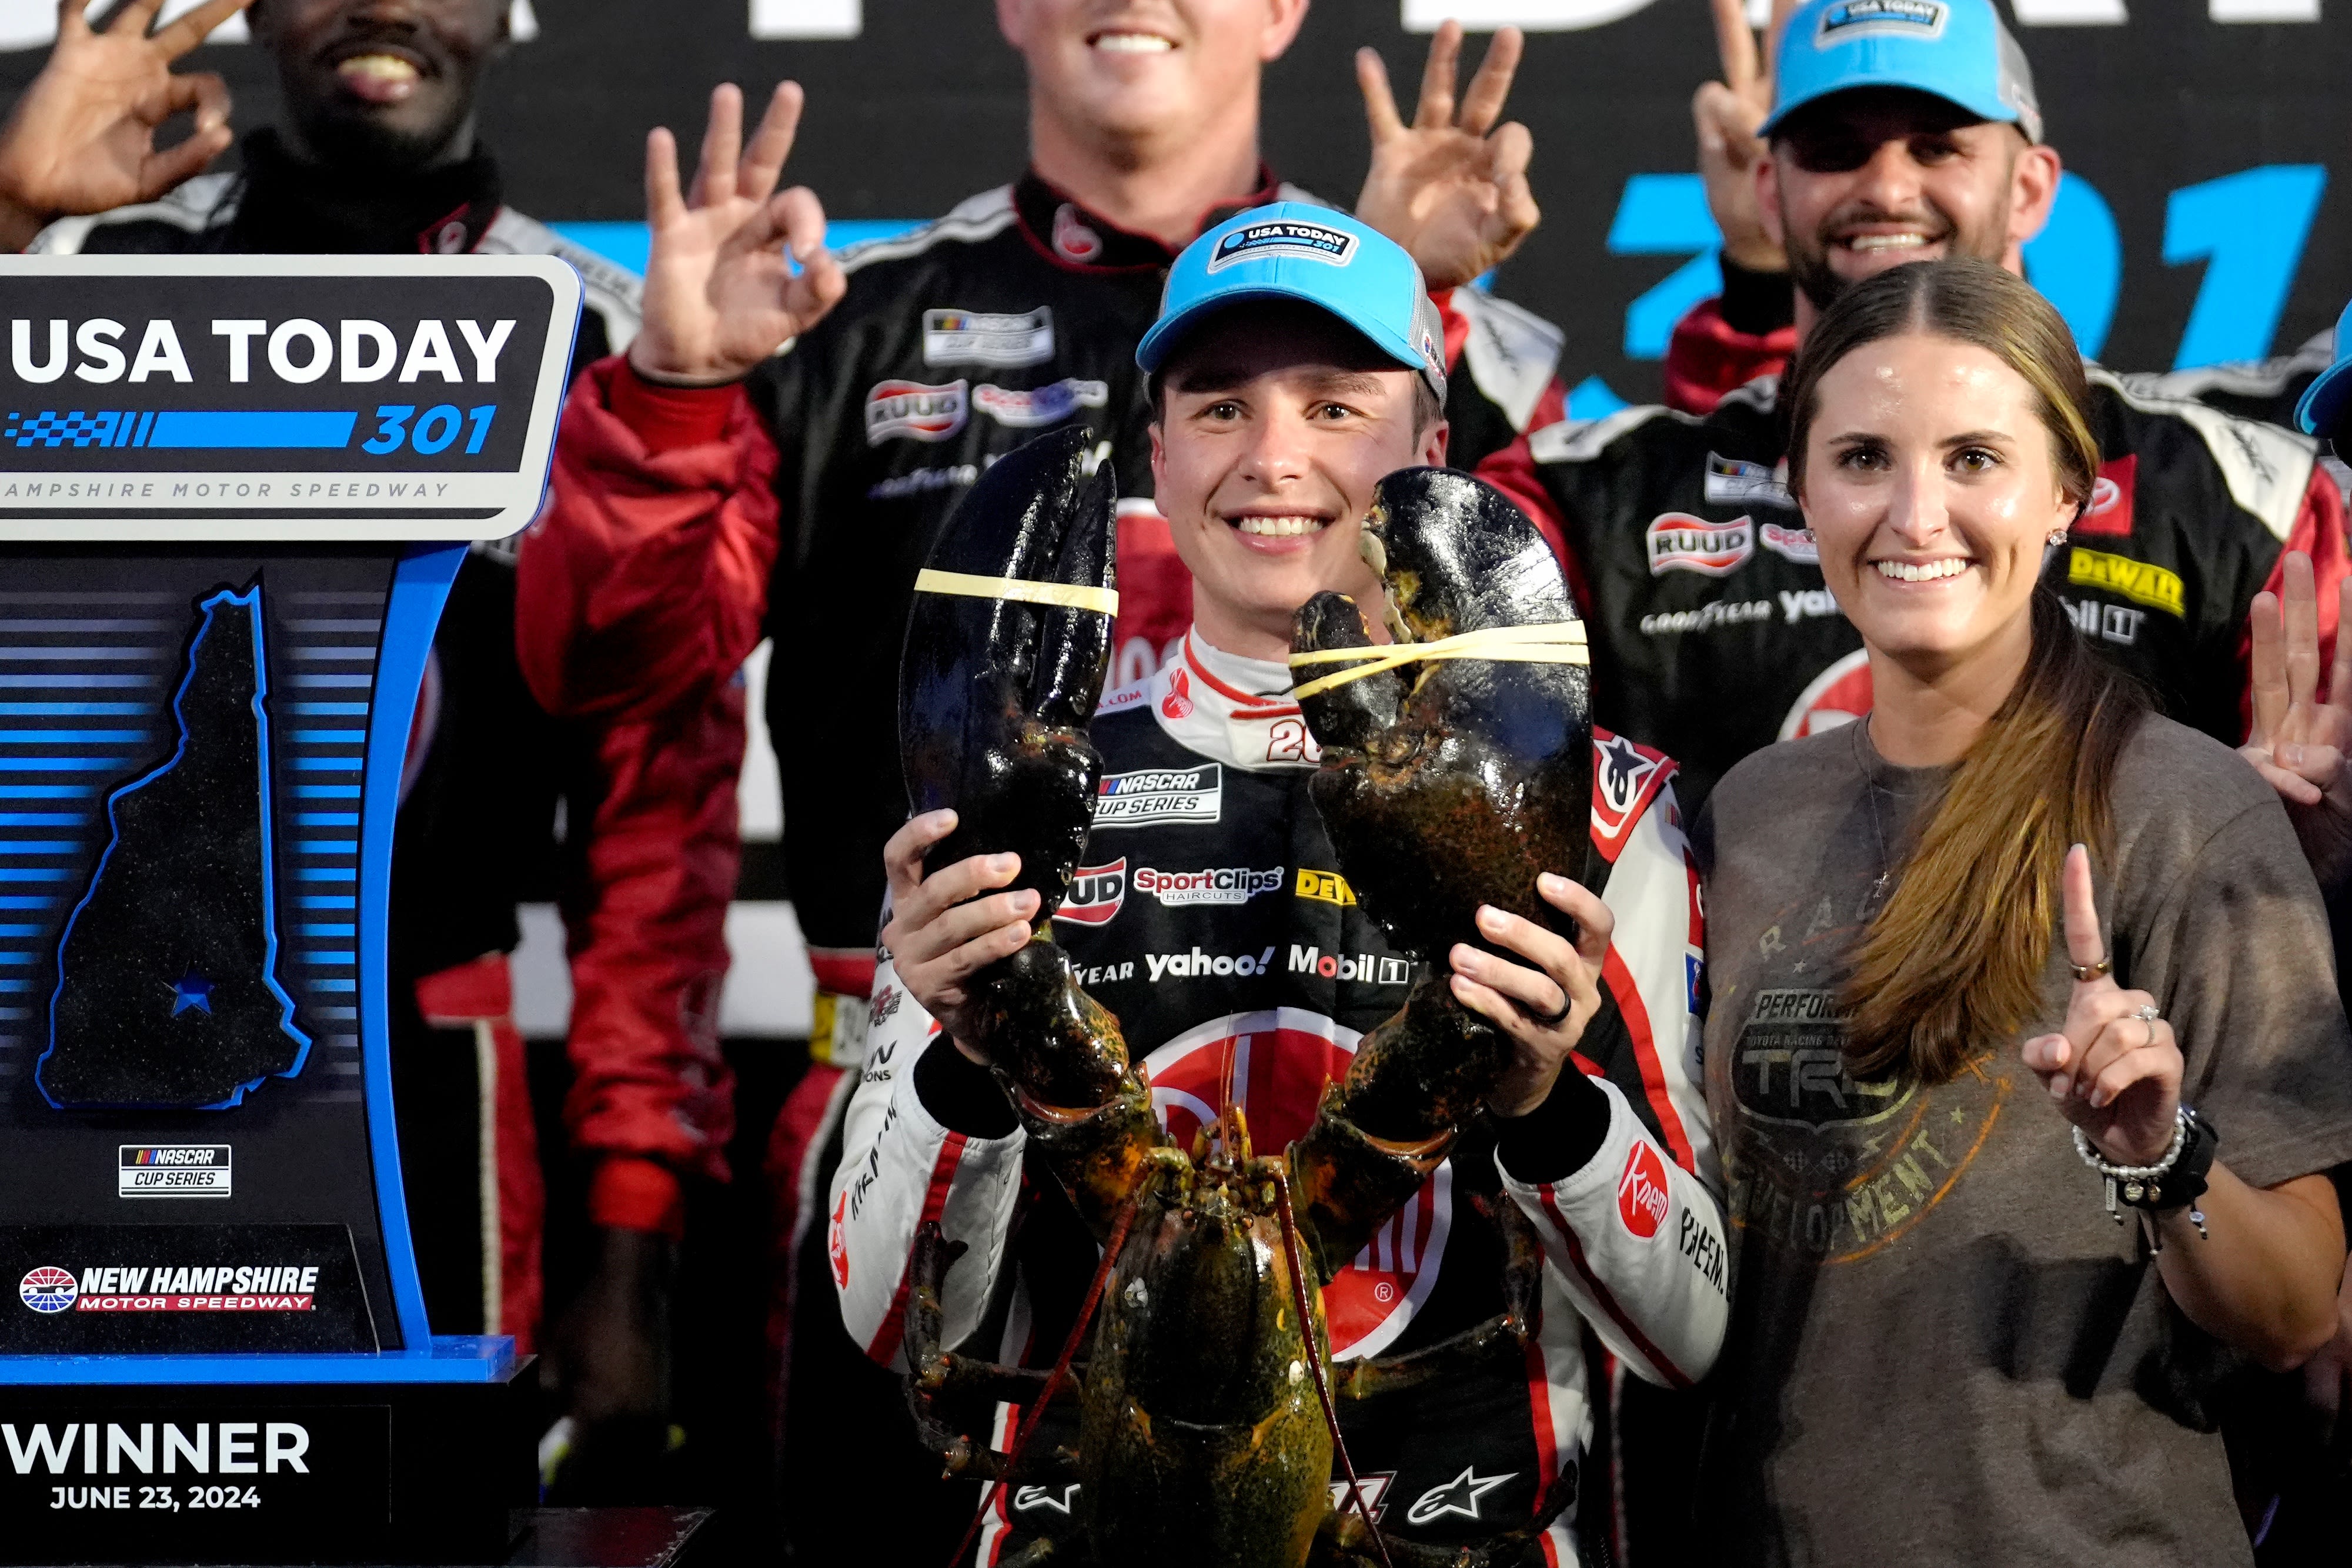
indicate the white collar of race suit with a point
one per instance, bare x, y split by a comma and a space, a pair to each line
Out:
1225, 708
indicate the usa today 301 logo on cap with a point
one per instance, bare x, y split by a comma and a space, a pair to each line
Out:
1316, 242
1878, 18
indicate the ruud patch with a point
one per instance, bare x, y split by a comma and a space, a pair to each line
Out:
1676, 541
914, 409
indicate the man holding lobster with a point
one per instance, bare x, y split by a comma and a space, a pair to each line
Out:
1214, 922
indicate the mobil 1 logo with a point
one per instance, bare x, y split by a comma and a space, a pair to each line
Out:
126, 1481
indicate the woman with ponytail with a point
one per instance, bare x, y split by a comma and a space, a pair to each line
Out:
2023, 1041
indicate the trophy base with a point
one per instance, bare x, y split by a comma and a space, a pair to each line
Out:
417, 1458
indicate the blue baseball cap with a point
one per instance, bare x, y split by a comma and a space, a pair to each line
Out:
1957, 50
1295, 250
2321, 411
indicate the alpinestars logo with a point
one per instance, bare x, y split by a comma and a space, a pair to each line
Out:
1097, 891
1676, 541
1459, 1495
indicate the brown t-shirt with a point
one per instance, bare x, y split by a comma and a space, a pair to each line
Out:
1942, 1350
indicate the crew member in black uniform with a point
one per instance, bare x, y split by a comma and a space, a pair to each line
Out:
377, 154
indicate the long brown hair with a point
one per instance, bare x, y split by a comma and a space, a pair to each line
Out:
1954, 958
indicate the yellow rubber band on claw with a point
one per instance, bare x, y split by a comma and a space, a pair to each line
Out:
1068, 595
1561, 643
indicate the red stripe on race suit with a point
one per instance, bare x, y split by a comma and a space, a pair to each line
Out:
1539, 1414
935, 1204
1665, 1368
1619, 981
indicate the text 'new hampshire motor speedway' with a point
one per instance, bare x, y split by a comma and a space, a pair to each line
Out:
275, 1288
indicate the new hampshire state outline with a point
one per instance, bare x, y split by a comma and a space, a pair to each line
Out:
167, 991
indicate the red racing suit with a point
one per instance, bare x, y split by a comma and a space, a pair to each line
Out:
1212, 920
684, 525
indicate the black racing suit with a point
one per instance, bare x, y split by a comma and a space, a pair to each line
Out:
475, 831
1714, 635
1210, 918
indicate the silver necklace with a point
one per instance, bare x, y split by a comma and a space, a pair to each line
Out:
1877, 893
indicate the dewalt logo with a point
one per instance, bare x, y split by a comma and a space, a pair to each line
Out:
1328, 886
2140, 581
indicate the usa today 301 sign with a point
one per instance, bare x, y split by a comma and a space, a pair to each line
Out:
279, 397
234, 494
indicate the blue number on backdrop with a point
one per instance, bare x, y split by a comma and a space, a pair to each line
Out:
2250, 229
2078, 262
1667, 214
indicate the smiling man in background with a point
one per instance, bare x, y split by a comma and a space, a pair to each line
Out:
377, 153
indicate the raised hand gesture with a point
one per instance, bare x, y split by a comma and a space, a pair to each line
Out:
1451, 187
82, 138
2115, 1070
1726, 114
2301, 744
720, 295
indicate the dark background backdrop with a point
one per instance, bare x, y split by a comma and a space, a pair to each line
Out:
926, 107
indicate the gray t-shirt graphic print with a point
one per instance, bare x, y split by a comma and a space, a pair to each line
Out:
1942, 1350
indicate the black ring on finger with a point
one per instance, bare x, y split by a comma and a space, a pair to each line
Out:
1550, 1020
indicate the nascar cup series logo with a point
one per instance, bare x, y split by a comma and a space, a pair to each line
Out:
47, 1289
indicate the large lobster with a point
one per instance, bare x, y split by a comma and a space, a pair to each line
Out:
1206, 1427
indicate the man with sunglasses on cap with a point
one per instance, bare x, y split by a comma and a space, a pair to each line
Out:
1217, 926
1899, 130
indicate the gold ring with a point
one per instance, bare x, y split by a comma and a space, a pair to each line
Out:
2085, 973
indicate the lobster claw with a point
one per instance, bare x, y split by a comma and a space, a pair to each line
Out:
1446, 783
1450, 783
996, 683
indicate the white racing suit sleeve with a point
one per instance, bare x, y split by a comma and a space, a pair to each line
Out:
1636, 1242
901, 1168
1636, 1232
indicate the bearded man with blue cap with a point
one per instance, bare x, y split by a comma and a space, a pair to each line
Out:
1897, 130
1297, 361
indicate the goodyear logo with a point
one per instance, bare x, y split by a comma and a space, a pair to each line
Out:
1328, 886
2142, 582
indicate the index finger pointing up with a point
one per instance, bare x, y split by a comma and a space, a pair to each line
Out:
2085, 946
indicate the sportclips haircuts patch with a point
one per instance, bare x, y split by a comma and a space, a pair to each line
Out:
1316, 242
1161, 795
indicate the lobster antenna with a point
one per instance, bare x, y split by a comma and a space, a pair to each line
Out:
1055, 1380
1291, 1249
